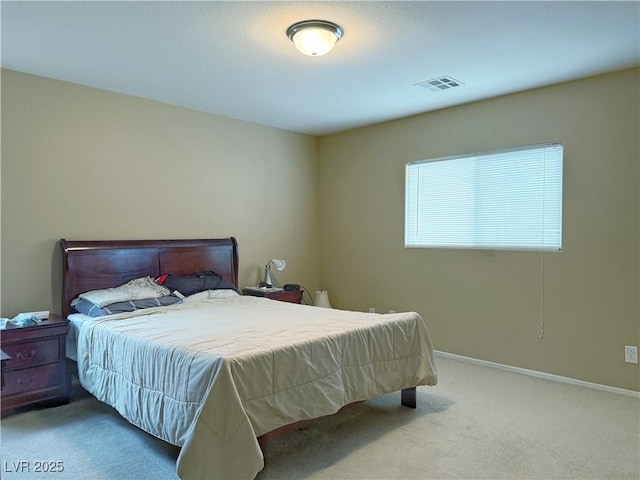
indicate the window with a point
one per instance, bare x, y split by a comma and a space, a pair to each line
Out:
507, 199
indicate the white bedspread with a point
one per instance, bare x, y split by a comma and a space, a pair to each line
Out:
212, 375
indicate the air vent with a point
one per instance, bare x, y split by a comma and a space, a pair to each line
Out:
439, 84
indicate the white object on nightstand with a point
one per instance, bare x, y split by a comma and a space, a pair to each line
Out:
322, 299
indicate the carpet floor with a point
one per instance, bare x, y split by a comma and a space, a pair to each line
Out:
477, 423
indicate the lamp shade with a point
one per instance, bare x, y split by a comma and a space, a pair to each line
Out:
314, 37
322, 299
279, 264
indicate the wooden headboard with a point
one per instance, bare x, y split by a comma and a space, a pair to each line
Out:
98, 264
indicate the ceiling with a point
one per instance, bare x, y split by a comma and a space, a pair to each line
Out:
233, 58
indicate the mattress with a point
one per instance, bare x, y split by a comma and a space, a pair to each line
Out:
212, 375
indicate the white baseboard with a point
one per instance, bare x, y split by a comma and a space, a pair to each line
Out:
546, 376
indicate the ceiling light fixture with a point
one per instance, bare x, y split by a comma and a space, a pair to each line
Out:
314, 37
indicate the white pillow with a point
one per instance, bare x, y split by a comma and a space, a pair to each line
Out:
219, 293
136, 289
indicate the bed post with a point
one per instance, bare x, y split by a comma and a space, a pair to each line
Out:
408, 397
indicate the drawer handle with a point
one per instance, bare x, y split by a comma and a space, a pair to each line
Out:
24, 380
21, 356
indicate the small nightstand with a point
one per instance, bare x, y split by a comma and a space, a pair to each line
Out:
36, 372
291, 296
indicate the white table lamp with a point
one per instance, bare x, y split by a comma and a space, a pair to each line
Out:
322, 299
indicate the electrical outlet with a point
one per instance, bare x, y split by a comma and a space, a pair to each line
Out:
372, 310
630, 354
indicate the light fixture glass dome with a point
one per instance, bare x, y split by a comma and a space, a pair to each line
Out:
314, 37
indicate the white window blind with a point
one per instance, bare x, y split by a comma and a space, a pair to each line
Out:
507, 199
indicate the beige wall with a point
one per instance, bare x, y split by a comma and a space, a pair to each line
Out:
82, 163
489, 304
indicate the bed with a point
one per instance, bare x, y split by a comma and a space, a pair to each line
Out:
216, 371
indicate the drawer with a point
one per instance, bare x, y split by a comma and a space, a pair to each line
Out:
291, 296
31, 353
30, 379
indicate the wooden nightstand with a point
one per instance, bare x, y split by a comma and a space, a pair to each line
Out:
36, 372
291, 296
